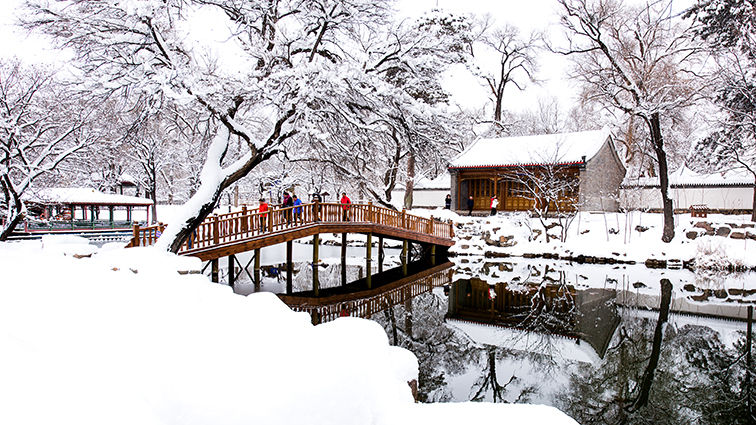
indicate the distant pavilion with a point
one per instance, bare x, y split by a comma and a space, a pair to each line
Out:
82, 208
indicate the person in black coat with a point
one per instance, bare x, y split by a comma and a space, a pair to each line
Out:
447, 202
470, 205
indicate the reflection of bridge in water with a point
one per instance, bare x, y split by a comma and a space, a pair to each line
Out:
390, 288
230, 234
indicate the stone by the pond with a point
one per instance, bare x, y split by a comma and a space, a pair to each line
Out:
723, 231
640, 228
691, 235
689, 287
637, 285
704, 225
737, 235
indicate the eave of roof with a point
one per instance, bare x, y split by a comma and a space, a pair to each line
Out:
544, 164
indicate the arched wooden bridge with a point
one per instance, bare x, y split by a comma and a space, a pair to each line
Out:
226, 235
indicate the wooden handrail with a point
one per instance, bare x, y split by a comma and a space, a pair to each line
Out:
238, 225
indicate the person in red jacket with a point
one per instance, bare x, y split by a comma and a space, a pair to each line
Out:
264, 214
346, 203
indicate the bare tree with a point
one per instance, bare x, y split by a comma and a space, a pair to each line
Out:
636, 61
41, 125
516, 65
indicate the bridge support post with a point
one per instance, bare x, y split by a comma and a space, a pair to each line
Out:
381, 254
231, 271
315, 259
257, 268
369, 261
433, 254
214, 270
289, 266
343, 258
404, 254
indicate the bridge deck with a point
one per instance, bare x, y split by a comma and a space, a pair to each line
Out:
237, 232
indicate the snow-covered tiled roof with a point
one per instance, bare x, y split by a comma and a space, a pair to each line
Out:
563, 148
81, 196
684, 176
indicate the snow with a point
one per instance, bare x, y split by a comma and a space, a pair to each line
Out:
612, 235
528, 150
81, 196
684, 176
125, 336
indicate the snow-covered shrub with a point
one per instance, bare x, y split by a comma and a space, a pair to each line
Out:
711, 255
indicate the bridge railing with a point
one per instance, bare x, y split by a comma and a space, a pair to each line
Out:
244, 224
368, 306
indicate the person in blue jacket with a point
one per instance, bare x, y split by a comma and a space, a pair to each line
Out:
297, 210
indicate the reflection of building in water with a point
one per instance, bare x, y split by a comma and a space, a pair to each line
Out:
587, 315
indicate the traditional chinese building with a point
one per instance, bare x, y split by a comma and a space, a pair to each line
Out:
501, 167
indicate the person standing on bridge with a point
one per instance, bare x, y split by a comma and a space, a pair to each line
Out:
346, 203
287, 203
297, 210
263, 214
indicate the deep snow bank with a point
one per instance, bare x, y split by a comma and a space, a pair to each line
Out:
138, 337
718, 240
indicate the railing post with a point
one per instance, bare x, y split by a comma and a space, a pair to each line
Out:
216, 228
370, 212
451, 228
404, 218
430, 226
135, 239
316, 208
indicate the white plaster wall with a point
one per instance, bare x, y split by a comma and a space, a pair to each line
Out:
725, 198
421, 198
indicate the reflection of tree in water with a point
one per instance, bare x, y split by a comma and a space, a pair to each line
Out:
657, 374
419, 326
489, 381
442, 351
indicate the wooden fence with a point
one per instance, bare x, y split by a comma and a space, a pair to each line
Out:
245, 224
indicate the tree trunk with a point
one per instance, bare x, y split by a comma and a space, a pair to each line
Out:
648, 375
214, 179
11, 224
410, 187
16, 210
661, 155
153, 197
753, 204
497, 112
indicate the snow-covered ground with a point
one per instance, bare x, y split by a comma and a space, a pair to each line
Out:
633, 236
138, 336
